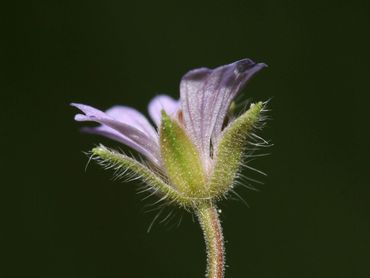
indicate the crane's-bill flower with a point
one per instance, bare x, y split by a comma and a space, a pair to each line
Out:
196, 147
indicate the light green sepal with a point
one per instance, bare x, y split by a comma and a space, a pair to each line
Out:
181, 159
117, 161
230, 150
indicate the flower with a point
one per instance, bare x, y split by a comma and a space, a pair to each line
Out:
196, 149
194, 154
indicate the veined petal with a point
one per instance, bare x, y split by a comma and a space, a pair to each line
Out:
159, 103
132, 117
110, 133
126, 133
206, 95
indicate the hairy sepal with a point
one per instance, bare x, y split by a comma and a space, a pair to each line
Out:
118, 161
231, 149
181, 159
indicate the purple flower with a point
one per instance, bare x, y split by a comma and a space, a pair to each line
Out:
196, 149
205, 98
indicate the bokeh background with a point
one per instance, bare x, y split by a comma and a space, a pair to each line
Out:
311, 218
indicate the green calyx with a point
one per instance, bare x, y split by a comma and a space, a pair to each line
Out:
231, 149
181, 159
182, 179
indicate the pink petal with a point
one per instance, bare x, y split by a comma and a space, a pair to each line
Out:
206, 95
131, 135
159, 103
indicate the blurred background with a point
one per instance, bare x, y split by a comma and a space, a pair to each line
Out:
311, 218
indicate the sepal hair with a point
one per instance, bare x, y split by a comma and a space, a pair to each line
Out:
125, 166
235, 148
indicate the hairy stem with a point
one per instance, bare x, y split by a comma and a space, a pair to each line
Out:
212, 231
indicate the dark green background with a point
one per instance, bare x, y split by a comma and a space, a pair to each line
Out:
310, 219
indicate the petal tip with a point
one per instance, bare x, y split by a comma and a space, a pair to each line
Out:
244, 65
74, 104
247, 64
80, 118
263, 65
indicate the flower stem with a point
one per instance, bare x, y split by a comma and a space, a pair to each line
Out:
212, 231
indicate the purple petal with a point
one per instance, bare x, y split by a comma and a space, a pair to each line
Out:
206, 95
159, 103
110, 133
131, 135
132, 117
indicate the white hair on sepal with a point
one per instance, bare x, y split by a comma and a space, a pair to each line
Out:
161, 202
255, 148
164, 214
